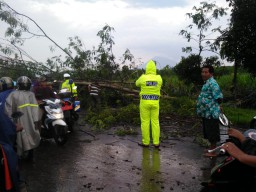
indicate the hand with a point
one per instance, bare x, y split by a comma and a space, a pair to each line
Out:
232, 150
235, 133
18, 127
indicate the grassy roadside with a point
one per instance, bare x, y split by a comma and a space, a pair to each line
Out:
238, 116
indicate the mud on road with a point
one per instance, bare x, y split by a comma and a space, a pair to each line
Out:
111, 163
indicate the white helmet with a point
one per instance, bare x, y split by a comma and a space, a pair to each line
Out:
66, 75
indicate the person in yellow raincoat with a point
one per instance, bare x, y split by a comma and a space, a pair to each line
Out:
69, 84
150, 84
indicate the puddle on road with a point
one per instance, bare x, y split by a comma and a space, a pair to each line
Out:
111, 164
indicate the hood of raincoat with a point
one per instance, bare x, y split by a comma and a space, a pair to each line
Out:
151, 68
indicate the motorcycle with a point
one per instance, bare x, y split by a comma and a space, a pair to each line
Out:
53, 124
70, 107
230, 174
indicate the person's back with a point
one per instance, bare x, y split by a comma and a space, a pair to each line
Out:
150, 85
42, 91
8, 137
7, 127
24, 100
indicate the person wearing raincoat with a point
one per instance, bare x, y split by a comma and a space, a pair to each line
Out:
150, 85
69, 84
24, 100
9, 178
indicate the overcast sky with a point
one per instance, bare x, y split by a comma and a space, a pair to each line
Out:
148, 28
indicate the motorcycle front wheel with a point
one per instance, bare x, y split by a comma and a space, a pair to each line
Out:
60, 135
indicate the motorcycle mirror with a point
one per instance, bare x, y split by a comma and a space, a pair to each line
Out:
223, 120
70, 81
251, 133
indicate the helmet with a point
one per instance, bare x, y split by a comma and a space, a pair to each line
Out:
24, 83
66, 75
6, 83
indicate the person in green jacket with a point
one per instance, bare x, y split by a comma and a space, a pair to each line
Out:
69, 84
150, 84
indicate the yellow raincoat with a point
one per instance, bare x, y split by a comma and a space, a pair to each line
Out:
66, 85
150, 84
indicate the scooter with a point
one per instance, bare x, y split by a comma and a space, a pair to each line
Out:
230, 174
70, 107
53, 124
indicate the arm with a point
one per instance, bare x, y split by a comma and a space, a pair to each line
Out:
18, 127
138, 82
237, 134
8, 106
235, 152
74, 91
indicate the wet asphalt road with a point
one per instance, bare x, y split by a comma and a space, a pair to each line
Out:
111, 163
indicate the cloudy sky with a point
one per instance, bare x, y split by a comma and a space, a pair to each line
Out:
148, 28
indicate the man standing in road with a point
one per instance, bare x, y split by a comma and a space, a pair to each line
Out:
150, 84
208, 107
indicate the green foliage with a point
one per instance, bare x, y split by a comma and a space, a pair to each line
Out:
202, 18
239, 116
238, 41
183, 106
245, 90
201, 141
188, 69
223, 70
175, 87
114, 116
129, 114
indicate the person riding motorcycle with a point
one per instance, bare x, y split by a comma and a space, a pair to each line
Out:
24, 100
42, 90
8, 129
69, 84
236, 152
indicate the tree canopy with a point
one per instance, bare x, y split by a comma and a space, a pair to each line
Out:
239, 40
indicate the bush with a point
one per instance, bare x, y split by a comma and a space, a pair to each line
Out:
183, 106
114, 116
239, 116
245, 94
